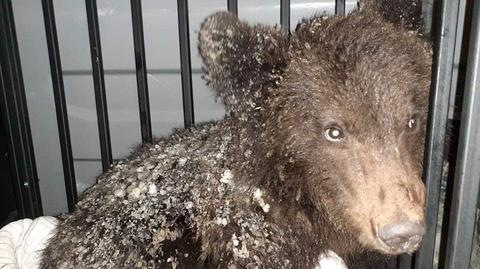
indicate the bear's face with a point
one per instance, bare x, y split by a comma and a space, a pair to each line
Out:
346, 103
352, 109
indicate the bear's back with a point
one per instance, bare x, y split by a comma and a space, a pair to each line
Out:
151, 198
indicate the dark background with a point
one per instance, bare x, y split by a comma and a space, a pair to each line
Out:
7, 197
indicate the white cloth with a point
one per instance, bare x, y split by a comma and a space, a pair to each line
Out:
22, 242
330, 260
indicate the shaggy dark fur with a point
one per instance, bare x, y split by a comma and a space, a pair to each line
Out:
266, 187
406, 13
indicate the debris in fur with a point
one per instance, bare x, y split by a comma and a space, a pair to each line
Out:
146, 201
258, 189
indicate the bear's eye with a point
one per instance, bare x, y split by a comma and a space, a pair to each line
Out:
333, 134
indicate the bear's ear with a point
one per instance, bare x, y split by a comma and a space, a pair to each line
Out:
241, 61
405, 13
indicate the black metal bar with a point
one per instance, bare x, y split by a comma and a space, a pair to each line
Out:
185, 63
467, 172
405, 262
99, 83
141, 67
285, 14
460, 65
13, 105
444, 54
340, 7
162, 71
60, 103
232, 6
427, 16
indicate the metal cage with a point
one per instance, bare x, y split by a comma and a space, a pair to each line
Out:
454, 26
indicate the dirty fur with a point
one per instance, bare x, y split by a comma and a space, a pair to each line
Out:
405, 13
263, 188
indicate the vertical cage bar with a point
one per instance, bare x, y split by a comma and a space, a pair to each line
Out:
340, 7
405, 262
99, 83
141, 68
439, 103
13, 105
232, 6
467, 172
285, 14
185, 63
427, 16
60, 103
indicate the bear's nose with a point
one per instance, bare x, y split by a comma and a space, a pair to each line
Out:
402, 236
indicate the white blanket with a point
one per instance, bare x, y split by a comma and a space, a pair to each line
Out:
22, 242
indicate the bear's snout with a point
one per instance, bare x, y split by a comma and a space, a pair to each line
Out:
388, 208
403, 236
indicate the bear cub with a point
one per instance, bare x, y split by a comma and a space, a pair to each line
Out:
321, 151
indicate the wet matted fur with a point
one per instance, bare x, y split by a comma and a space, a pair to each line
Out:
322, 144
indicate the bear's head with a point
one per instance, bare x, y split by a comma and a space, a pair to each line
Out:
343, 102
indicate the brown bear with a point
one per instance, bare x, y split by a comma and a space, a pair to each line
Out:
321, 151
